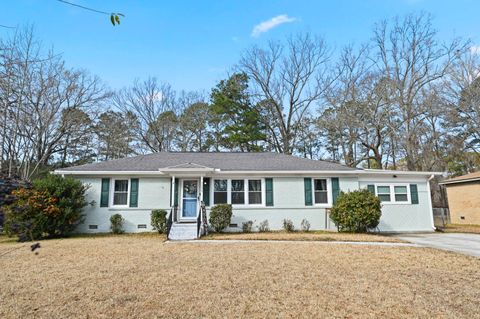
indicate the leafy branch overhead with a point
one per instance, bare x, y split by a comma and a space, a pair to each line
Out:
114, 16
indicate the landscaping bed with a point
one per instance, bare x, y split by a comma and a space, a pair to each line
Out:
303, 236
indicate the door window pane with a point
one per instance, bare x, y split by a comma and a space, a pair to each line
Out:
220, 191
255, 191
120, 192
320, 188
401, 194
238, 191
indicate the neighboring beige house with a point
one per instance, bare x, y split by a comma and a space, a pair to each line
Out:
464, 198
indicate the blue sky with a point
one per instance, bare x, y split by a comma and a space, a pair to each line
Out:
193, 44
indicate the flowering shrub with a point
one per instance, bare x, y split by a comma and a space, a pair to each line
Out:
52, 208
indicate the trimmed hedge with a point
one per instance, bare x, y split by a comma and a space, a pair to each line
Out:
358, 211
220, 216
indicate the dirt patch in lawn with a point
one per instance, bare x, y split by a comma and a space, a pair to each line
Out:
128, 276
304, 236
456, 228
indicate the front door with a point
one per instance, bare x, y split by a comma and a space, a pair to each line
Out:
189, 198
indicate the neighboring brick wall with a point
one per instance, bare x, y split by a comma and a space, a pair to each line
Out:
464, 201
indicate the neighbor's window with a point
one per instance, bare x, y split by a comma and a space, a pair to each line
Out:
120, 192
238, 191
321, 193
255, 191
220, 191
383, 192
401, 193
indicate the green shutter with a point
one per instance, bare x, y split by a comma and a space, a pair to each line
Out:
105, 192
414, 193
175, 196
308, 191
371, 189
335, 189
134, 192
206, 191
269, 191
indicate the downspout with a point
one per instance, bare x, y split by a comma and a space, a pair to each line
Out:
430, 201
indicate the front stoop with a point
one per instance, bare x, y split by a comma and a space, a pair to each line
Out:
183, 231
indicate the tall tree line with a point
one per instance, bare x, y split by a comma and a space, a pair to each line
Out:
403, 100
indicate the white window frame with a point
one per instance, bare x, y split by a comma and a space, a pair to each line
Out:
212, 190
329, 192
392, 193
112, 192
245, 189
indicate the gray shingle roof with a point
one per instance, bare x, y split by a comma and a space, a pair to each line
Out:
225, 161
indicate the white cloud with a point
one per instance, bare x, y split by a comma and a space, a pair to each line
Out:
270, 24
475, 49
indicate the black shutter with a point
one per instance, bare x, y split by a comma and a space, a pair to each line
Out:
268, 191
308, 191
414, 193
104, 196
134, 192
206, 191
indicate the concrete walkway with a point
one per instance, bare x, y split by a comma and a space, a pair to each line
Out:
468, 244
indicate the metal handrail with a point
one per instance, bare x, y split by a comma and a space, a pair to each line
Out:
171, 219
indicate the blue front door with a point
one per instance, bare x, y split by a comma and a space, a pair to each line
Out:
189, 198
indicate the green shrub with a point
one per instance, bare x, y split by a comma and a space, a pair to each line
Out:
220, 216
116, 221
305, 225
263, 227
247, 226
51, 208
357, 211
288, 225
159, 220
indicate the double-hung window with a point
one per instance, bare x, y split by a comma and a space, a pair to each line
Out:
320, 191
393, 193
255, 191
238, 191
220, 194
120, 192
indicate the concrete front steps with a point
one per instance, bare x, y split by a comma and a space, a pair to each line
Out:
183, 231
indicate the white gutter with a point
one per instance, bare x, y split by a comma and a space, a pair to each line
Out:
106, 173
275, 173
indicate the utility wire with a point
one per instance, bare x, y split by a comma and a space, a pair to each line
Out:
86, 8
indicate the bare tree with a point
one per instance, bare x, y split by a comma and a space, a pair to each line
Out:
411, 58
288, 78
148, 100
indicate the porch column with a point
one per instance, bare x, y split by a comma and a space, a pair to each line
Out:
173, 190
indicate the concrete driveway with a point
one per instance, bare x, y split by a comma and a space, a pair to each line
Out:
468, 244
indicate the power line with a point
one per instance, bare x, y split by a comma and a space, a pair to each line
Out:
6, 27
86, 8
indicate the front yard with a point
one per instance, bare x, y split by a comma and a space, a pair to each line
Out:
304, 236
143, 276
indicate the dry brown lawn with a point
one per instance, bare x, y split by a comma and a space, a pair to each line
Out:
143, 276
304, 236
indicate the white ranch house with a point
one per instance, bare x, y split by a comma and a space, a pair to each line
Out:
260, 186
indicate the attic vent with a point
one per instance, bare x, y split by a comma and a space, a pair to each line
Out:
92, 226
233, 225
140, 226
462, 217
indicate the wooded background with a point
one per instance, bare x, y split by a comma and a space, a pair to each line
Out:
403, 100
